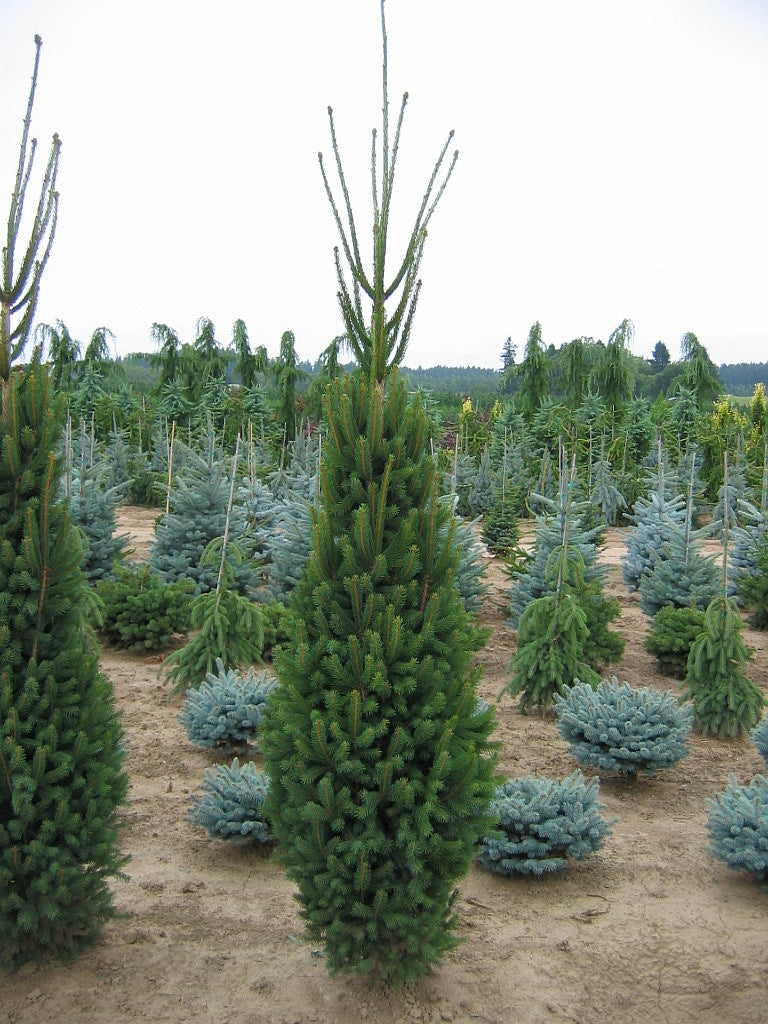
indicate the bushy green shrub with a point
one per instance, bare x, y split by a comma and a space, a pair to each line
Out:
275, 622
140, 612
230, 803
618, 728
543, 823
225, 711
672, 632
738, 826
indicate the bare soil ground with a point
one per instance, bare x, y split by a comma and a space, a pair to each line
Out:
650, 930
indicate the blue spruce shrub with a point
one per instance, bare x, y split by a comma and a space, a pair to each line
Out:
760, 738
542, 824
738, 826
230, 803
618, 728
225, 710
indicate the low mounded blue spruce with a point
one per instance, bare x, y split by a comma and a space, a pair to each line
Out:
543, 823
230, 803
618, 728
760, 738
226, 710
738, 827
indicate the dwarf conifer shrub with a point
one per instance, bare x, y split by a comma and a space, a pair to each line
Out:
142, 613
737, 820
226, 710
672, 632
231, 803
542, 824
618, 728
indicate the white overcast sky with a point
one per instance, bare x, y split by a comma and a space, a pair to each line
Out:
613, 163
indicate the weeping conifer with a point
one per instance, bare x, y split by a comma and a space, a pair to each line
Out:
380, 763
726, 702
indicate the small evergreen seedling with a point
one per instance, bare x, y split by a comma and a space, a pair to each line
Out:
226, 626
543, 823
230, 803
618, 728
673, 630
225, 711
738, 827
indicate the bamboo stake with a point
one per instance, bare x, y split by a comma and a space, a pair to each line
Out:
170, 469
226, 522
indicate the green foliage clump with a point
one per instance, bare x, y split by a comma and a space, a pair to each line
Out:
542, 824
275, 623
726, 701
231, 803
618, 728
672, 632
737, 820
226, 710
142, 613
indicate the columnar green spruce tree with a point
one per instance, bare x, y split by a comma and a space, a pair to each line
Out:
61, 751
379, 755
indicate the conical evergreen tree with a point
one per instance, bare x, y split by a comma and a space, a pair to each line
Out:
61, 744
480, 498
680, 575
726, 702
656, 519
92, 505
197, 515
531, 581
381, 768
553, 637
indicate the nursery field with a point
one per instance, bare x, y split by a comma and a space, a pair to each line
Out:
651, 929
